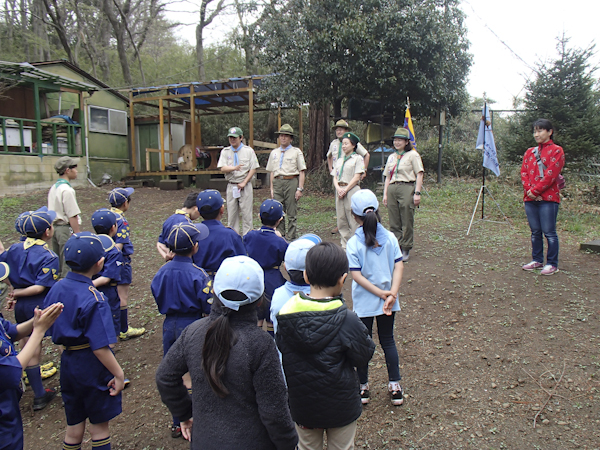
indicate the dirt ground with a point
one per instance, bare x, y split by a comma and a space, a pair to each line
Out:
486, 349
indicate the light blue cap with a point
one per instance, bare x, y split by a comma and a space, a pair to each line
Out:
295, 255
242, 274
362, 201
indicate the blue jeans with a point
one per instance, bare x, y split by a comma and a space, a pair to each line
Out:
385, 331
542, 220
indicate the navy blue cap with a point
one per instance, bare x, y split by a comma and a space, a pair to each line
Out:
183, 236
83, 250
4, 271
271, 210
209, 201
118, 196
104, 218
34, 223
19, 222
107, 242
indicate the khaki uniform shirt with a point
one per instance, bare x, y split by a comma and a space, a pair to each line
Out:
247, 159
293, 162
62, 199
408, 168
335, 149
354, 165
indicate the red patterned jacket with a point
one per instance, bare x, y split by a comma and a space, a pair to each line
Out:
553, 158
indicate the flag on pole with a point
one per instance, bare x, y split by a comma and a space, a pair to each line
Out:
409, 126
485, 142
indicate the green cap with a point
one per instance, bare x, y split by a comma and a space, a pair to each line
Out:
402, 133
341, 123
286, 129
235, 132
64, 163
353, 138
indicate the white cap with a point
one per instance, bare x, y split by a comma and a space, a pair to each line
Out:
242, 274
295, 255
362, 201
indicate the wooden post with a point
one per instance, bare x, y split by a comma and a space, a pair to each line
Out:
132, 131
161, 144
38, 118
170, 134
251, 113
83, 123
193, 126
301, 141
278, 122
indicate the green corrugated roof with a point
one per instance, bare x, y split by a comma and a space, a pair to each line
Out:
26, 73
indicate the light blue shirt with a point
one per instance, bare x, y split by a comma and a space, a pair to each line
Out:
376, 264
281, 295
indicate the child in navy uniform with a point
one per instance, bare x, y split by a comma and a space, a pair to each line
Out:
224, 242
120, 199
267, 248
91, 379
182, 290
186, 214
106, 281
295, 265
34, 269
12, 363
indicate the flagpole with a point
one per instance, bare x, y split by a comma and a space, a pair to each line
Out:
483, 156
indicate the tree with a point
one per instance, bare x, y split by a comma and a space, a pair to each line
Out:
206, 18
328, 51
563, 92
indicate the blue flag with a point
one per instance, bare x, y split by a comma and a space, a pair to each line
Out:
485, 142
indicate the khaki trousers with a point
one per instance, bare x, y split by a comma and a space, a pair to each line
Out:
284, 191
401, 209
341, 438
62, 233
345, 220
242, 205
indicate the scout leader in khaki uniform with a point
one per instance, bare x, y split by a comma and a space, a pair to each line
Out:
239, 163
402, 189
346, 175
62, 199
287, 167
335, 148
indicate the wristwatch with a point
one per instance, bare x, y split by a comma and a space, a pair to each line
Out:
417, 193
300, 189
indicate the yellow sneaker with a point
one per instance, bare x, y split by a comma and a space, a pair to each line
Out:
131, 333
46, 366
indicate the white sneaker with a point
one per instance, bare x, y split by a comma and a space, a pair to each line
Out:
405, 255
396, 392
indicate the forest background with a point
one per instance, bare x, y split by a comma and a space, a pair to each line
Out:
324, 55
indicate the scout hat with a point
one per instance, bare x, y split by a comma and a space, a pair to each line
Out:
64, 163
286, 129
271, 210
118, 196
4, 271
235, 132
295, 255
107, 242
241, 274
103, 220
353, 138
341, 123
209, 201
34, 223
402, 133
19, 222
83, 250
183, 236
362, 201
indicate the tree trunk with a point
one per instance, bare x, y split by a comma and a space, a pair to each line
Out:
318, 117
119, 34
200, 52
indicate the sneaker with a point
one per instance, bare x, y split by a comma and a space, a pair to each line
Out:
405, 255
131, 333
549, 270
335, 230
364, 393
532, 266
42, 402
175, 431
396, 392
126, 383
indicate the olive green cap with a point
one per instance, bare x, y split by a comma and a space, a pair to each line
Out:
341, 123
402, 133
286, 129
64, 163
235, 132
353, 138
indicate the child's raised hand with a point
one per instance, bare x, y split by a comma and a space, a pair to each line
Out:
116, 385
388, 304
43, 319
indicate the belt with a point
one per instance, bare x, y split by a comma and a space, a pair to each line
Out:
77, 347
342, 184
286, 177
113, 284
61, 225
402, 182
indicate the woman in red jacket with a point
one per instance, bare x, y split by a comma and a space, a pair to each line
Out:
539, 173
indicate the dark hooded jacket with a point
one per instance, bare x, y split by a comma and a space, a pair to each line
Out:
321, 343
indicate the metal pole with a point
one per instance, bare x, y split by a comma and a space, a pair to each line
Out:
439, 168
482, 156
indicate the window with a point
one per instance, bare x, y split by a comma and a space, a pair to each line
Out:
104, 120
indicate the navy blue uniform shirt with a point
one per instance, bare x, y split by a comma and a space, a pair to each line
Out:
122, 236
11, 425
222, 243
268, 250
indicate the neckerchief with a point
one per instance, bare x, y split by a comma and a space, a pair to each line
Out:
396, 166
30, 242
236, 160
346, 158
182, 212
61, 181
283, 150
